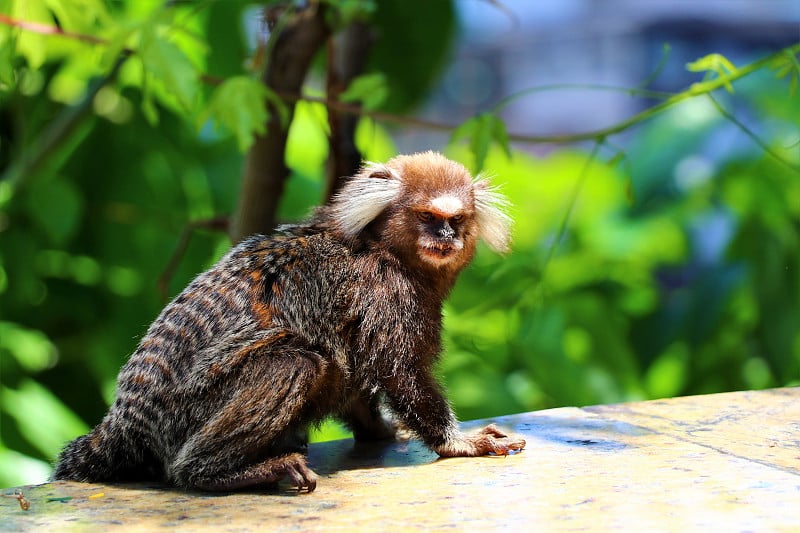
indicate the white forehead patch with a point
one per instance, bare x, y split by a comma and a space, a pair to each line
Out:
447, 205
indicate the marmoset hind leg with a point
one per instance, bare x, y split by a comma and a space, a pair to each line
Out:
364, 417
252, 440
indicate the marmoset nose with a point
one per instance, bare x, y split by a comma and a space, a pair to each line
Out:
444, 231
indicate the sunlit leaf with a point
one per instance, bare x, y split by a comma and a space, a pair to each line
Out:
32, 349
164, 61
44, 421
7, 77
370, 89
717, 64
373, 140
616, 159
31, 45
465, 130
788, 66
500, 135
19, 469
328, 430
630, 191
667, 374
78, 15
481, 130
481, 139
239, 106
149, 110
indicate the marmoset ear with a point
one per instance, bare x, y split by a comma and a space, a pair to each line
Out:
494, 224
364, 197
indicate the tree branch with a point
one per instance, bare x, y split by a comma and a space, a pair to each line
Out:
753, 136
216, 224
265, 173
347, 57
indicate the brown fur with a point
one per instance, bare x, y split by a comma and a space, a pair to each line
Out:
338, 316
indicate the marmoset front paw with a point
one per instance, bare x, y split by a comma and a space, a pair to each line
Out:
489, 440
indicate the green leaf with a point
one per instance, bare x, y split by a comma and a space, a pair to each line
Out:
787, 65
500, 135
7, 78
32, 349
279, 105
369, 89
78, 15
19, 469
465, 130
482, 138
56, 206
630, 191
667, 374
239, 106
329, 430
164, 61
149, 109
482, 130
345, 12
44, 421
716, 64
226, 48
618, 157
31, 45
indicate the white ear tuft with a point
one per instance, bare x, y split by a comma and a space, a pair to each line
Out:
364, 197
494, 224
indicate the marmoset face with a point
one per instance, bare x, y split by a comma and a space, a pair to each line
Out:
441, 223
427, 209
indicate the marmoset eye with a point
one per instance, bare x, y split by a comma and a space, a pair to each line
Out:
426, 216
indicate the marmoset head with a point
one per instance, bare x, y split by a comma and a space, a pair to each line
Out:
424, 207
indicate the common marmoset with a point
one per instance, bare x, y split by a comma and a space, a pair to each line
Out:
338, 316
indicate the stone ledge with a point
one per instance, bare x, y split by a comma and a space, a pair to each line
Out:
718, 462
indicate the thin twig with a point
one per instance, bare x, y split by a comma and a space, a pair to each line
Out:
662, 63
631, 91
217, 224
695, 90
750, 133
49, 29
505, 10
573, 198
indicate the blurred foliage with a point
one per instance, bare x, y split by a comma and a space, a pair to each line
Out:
676, 271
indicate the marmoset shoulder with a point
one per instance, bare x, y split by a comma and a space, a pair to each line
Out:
338, 316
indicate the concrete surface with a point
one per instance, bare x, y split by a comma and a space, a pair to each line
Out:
723, 462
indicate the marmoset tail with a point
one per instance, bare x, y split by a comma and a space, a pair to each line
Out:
339, 316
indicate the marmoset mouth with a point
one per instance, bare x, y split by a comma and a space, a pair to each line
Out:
437, 252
